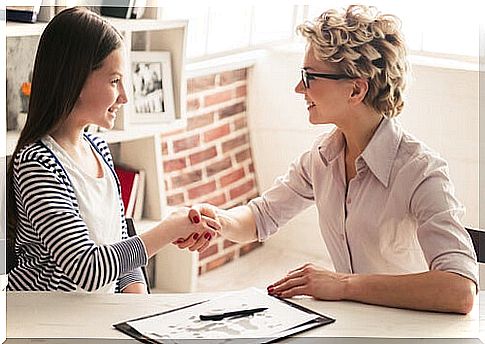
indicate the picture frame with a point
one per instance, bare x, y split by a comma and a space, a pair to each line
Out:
150, 88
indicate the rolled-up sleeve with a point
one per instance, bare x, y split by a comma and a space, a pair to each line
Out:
291, 194
445, 243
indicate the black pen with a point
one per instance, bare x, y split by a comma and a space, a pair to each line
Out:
240, 313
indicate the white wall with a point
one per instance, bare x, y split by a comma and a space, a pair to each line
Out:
441, 110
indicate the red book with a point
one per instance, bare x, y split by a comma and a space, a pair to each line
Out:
129, 180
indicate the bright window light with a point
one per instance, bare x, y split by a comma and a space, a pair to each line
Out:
229, 28
429, 26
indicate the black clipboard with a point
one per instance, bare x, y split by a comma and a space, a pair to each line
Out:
314, 323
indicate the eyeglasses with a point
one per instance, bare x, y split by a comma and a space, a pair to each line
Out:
307, 76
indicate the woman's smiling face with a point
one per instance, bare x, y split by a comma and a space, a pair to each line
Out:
103, 93
326, 99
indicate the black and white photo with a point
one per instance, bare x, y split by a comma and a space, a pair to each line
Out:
151, 87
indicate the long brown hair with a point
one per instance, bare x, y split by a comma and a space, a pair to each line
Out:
73, 44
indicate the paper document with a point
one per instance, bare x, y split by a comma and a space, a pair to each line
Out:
185, 324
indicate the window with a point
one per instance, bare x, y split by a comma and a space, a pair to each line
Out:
433, 26
214, 30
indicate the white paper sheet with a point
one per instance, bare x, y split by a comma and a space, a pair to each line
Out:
186, 325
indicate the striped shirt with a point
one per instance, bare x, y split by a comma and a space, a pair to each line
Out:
53, 247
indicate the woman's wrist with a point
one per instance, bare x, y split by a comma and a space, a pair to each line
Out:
348, 284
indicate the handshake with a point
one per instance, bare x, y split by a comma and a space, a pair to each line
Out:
202, 224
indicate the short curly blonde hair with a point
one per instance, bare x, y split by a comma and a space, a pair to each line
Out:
365, 44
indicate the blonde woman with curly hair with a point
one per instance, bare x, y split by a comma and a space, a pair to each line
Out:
386, 207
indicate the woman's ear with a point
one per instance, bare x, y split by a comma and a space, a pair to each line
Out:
359, 90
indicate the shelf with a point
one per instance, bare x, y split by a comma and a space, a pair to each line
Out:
16, 29
145, 24
134, 132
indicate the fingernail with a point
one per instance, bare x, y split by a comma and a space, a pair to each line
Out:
207, 236
270, 290
196, 219
196, 236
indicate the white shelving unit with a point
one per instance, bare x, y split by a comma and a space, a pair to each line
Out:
139, 146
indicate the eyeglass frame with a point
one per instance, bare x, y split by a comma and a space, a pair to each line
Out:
306, 76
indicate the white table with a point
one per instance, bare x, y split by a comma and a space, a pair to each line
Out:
88, 318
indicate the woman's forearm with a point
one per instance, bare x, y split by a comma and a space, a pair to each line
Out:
156, 238
135, 288
238, 224
433, 290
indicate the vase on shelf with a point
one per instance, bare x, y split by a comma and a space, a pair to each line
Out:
21, 119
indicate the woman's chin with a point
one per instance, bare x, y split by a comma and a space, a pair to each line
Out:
108, 125
316, 120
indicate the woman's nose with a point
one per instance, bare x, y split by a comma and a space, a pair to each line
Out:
300, 88
122, 98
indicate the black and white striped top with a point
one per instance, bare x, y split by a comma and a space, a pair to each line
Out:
53, 246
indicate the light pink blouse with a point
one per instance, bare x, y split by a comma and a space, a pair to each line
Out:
399, 216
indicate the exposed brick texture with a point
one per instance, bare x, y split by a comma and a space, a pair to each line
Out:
234, 143
241, 91
240, 123
211, 250
218, 166
220, 261
218, 97
232, 76
164, 148
186, 143
232, 177
242, 189
174, 164
244, 155
218, 200
183, 179
202, 190
228, 243
199, 121
201, 83
248, 248
204, 155
177, 199
216, 133
193, 104
232, 110
210, 160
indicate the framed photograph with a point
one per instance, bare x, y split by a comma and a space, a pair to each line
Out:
151, 87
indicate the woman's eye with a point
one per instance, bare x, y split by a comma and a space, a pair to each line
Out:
115, 81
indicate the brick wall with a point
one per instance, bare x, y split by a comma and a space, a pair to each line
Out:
210, 160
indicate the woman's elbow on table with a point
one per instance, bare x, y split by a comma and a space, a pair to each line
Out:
464, 293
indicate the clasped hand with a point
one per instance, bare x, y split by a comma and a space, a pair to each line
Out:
199, 240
